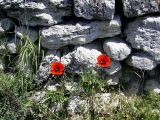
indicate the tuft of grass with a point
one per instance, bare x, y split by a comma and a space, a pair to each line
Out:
30, 54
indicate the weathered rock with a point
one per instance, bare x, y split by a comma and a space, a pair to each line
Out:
133, 87
40, 13
6, 25
114, 79
83, 58
77, 105
51, 56
94, 9
154, 72
5, 4
38, 96
12, 45
141, 61
152, 85
80, 33
57, 107
53, 87
116, 48
70, 86
103, 103
114, 68
28, 32
134, 8
144, 34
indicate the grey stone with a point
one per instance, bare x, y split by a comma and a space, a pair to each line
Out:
44, 68
94, 9
12, 45
130, 74
80, 33
6, 25
5, 4
53, 87
153, 73
113, 68
70, 86
134, 8
144, 34
141, 61
116, 48
41, 13
38, 96
103, 103
57, 107
114, 79
133, 87
152, 85
82, 58
28, 32
78, 105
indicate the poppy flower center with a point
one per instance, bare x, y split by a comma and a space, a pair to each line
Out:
103, 62
57, 69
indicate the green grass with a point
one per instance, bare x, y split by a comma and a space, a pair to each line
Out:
15, 104
16, 90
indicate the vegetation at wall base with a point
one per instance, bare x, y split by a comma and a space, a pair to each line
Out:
15, 104
17, 90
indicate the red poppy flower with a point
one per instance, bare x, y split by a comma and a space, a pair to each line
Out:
57, 68
103, 61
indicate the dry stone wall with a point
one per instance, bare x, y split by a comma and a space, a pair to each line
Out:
76, 32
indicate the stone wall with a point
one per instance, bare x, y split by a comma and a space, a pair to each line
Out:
76, 32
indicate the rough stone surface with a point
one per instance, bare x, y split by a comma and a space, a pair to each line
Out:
6, 25
114, 79
144, 34
134, 8
103, 103
141, 61
82, 58
80, 33
38, 13
114, 68
133, 87
53, 87
116, 48
51, 56
38, 96
94, 9
77, 105
28, 32
70, 86
153, 73
153, 85
9, 3
12, 45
